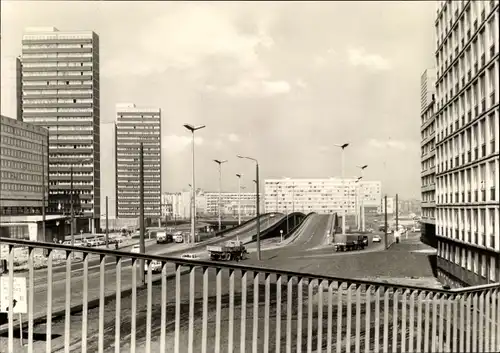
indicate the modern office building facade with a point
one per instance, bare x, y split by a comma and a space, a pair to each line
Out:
60, 88
229, 203
467, 142
320, 195
23, 167
135, 125
428, 155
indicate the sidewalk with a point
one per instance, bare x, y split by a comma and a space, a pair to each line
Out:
412, 243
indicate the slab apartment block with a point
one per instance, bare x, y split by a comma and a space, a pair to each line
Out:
467, 142
135, 125
60, 92
428, 155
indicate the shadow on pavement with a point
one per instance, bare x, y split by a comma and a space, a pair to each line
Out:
433, 263
36, 336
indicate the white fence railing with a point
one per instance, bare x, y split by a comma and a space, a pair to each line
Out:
100, 305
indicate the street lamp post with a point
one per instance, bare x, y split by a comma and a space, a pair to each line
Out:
277, 196
343, 147
72, 215
257, 202
220, 162
361, 215
239, 198
286, 214
142, 244
193, 203
190, 203
356, 188
44, 153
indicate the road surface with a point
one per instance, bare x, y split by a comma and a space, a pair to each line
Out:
311, 236
59, 275
171, 249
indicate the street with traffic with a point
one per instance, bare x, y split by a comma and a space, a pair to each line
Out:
307, 250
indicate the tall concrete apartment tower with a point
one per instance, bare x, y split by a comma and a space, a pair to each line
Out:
428, 155
60, 87
467, 142
133, 126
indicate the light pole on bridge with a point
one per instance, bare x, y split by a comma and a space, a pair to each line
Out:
239, 198
361, 208
258, 200
343, 147
193, 192
220, 162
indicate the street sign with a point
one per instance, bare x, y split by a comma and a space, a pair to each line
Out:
20, 295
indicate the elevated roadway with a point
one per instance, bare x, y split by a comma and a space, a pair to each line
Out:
308, 243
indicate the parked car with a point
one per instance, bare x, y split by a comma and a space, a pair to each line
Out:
155, 266
376, 239
91, 243
178, 238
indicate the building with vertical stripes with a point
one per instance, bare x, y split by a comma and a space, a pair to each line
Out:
428, 155
467, 142
133, 126
60, 91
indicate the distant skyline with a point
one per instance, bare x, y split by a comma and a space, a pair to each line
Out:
281, 82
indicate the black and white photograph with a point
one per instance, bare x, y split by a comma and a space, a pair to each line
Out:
249, 176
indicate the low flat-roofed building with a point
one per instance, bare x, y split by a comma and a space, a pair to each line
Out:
30, 227
23, 167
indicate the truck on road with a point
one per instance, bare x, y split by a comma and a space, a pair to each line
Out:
347, 242
231, 250
162, 237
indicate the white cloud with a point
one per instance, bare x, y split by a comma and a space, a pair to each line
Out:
176, 143
359, 57
218, 144
233, 137
258, 88
319, 61
183, 37
300, 83
389, 144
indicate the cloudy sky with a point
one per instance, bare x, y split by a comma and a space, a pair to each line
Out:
282, 82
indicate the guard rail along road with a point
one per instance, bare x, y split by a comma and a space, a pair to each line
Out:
205, 306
